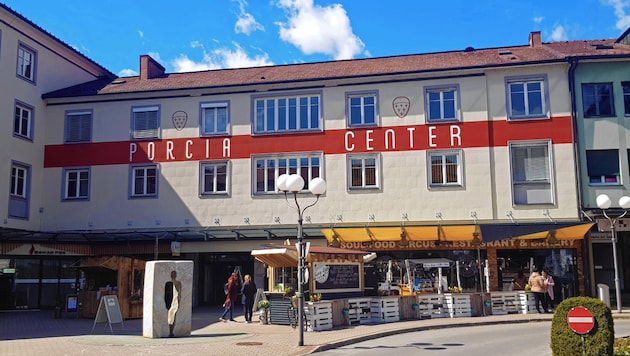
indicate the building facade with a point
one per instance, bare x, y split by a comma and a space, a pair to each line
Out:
602, 106
467, 155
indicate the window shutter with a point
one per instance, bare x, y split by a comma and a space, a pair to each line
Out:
145, 124
79, 127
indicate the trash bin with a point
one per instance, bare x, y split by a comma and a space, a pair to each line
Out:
603, 293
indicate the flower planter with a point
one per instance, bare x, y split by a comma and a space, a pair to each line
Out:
263, 315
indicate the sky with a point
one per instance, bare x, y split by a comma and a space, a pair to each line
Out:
197, 35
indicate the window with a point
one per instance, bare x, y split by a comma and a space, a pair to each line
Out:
23, 123
76, 184
445, 168
362, 109
531, 173
597, 100
214, 178
442, 104
79, 126
267, 169
626, 97
26, 61
363, 171
19, 191
144, 181
215, 118
145, 123
603, 166
287, 114
526, 97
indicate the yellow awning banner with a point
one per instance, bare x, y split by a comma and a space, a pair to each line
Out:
576, 232
411, 233
447, 233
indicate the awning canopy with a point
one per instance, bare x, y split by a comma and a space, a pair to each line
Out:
287, 255
551, 231
277, 257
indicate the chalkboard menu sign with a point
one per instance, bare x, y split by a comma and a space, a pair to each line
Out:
337, 277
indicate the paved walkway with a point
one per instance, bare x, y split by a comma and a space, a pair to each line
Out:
39, 333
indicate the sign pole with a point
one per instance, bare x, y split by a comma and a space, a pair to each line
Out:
581, 321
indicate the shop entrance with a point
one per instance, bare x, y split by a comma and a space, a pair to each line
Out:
214, 270
32, 283
559, 263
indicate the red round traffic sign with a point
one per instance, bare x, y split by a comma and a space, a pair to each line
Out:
580, 320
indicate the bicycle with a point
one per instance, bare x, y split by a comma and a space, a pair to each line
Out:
293, 317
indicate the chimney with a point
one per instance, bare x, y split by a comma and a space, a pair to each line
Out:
534, 39
150, 68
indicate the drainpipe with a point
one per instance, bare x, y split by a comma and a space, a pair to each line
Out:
586, 244
573, 63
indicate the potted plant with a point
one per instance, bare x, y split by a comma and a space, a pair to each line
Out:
315, 297
263, 311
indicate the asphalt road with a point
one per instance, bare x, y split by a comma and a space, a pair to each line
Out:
524, 339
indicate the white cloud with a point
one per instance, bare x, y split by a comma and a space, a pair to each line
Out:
235, 57
558, 34
538, 19
127, 73
141, 34
315, 29
623, 20
246, 22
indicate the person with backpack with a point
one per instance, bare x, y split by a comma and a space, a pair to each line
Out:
231, 297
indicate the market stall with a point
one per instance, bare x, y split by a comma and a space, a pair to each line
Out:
334, 273
114, 275
427, 276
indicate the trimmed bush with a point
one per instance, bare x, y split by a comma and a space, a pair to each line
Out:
600, 341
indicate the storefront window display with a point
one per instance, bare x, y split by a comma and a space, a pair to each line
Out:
462, 271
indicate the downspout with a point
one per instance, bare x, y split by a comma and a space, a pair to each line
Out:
586, 244
573, 63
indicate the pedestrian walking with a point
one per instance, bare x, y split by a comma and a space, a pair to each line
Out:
231, 297
249, 293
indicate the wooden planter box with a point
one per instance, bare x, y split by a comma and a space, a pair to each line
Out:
319, 316
458, 305
385, 309
359, 311
506, 303
432, 306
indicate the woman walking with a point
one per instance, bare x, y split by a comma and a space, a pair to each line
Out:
249, 292
230, 297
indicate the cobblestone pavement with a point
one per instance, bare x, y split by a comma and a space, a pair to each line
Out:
39, 333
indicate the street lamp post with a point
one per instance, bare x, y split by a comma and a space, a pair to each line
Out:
604, 202
294, 183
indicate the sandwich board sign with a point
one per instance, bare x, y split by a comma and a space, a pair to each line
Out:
108, 312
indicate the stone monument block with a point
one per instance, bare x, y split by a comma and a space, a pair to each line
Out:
167, 308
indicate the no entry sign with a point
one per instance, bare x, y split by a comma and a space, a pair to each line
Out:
580, 320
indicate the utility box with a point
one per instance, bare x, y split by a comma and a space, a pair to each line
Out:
603, 293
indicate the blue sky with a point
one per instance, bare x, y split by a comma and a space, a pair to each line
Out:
210, 34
